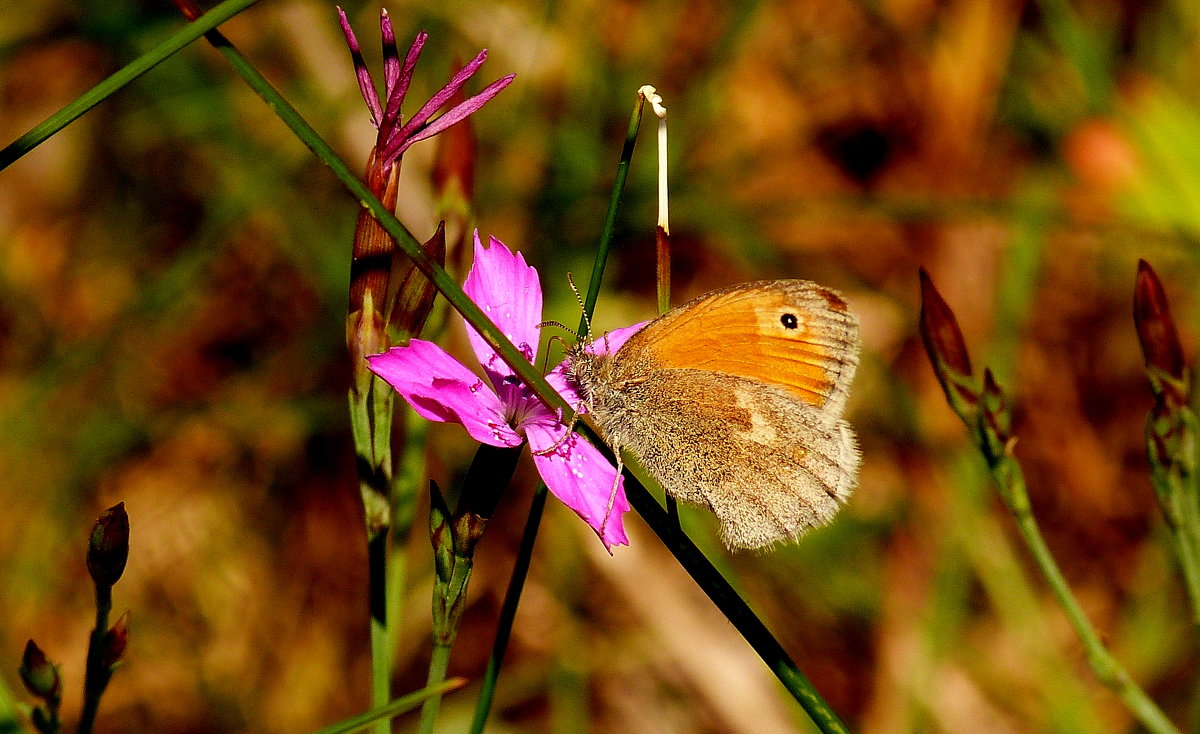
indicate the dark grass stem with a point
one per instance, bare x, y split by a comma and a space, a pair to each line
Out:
508, 610
96, 674
105, 89
705, 575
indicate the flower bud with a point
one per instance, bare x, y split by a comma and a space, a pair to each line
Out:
410, 305
39, 675
995, 419
947, 350
108, 548
115, 640
1158, 337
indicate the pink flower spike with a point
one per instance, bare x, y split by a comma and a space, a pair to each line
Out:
391, 54
392, 112
510, 294
443, 95
440, 388
365, 85
581, 478
458, 113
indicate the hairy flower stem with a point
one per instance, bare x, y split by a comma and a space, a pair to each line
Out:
96, 674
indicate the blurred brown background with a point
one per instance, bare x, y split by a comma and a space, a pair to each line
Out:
173, 272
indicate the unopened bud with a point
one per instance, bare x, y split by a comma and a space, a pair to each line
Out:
414, 294
39, 675
947, 350
108, 548
1158, 336
115, 640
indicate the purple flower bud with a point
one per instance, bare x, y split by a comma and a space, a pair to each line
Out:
947, 350
1158, 336
108, 548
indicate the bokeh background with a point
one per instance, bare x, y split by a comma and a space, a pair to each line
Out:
173, 273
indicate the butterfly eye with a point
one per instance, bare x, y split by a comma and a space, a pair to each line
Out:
789, 321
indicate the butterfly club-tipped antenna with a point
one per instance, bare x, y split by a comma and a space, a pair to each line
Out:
587, 321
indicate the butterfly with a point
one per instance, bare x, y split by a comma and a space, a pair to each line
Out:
734, 401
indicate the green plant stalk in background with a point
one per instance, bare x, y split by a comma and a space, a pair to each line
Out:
1011, 483
984, 410
392, 709
1171, 445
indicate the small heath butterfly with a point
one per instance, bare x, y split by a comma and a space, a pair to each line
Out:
734, 402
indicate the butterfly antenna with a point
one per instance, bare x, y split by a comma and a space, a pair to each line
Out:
560, 325
587, 322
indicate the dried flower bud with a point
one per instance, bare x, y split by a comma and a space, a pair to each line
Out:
410, 305
1158, 336
39, 675
947, 350
115, 640
108, 548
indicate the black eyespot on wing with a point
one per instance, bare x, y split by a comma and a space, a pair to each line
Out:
789, 321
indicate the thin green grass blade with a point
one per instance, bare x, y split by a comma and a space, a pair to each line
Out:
105, 89
392, 709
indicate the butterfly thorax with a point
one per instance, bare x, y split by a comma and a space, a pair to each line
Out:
608, 386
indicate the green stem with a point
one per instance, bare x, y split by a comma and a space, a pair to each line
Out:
105, 89
439, 663
1110, 672
96, 675
1181, 520
391, 709
508, 610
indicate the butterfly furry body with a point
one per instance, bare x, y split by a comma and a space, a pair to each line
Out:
734, 402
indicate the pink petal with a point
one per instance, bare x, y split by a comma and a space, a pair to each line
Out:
443, 95
453, 116
440, 388
365, 85
391, 55
397, 94
579, 475
510, 294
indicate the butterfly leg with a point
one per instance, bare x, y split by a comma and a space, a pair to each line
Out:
612, 494
566, 436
